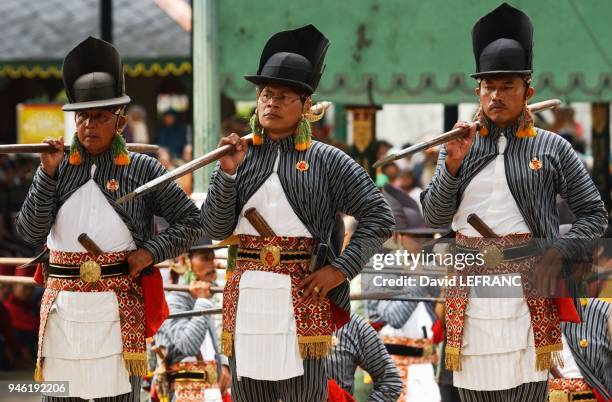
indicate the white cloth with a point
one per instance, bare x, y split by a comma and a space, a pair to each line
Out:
265, 320
266, 329
422, 385
570, 368
498, 349
82, 341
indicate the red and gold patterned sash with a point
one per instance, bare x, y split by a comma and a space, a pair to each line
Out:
192, 390
313, 319
129, 297
544, 314
570, 389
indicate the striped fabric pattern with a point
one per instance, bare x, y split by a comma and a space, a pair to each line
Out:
332, 183
594, 360
46, 196
534, 190
183, 337
310, 387
528, 392
358, 345
133, 396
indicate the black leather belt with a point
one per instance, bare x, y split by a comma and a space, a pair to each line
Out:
187, 375
403, 350
70, 271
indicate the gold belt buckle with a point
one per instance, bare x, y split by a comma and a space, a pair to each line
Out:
270, 256
558, 396
491, 255
90, 271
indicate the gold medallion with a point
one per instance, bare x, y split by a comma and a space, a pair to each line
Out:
492, 255
90, 271
270, 256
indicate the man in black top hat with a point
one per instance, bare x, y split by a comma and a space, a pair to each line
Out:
97, 310
509, 175
279, 316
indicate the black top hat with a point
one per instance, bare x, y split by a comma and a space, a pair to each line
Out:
293, 58
93, 76
503, 43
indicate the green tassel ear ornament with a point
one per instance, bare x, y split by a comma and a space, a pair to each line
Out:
120, 152
76, 151
303, 135
121, 156
256, 129
301, 138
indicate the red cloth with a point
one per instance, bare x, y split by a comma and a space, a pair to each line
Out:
600, 397
24, 315
377, 325
156, 308
336, 394
438, 332
339, 316
38, 275
567, 309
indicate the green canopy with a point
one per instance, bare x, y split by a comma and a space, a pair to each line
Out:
406, 51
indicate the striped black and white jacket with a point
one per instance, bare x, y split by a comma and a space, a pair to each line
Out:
332, 183
358, 345
594, 360
48, 194
534, 190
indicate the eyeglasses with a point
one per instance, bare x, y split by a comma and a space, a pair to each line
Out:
97, 117
284, 100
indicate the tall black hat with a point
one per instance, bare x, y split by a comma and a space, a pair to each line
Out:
503, 42
93, 76
293, 58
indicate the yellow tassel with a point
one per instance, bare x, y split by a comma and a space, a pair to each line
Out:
135, 363
483, 131
257, 139
122, 160
75, 158
546, 355
452, 358
227, 340
527, 132
315, 347
38, 372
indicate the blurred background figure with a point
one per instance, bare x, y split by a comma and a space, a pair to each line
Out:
136, 130
23, 310
172, 133
425, 169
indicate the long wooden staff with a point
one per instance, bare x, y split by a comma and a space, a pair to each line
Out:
454, 134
